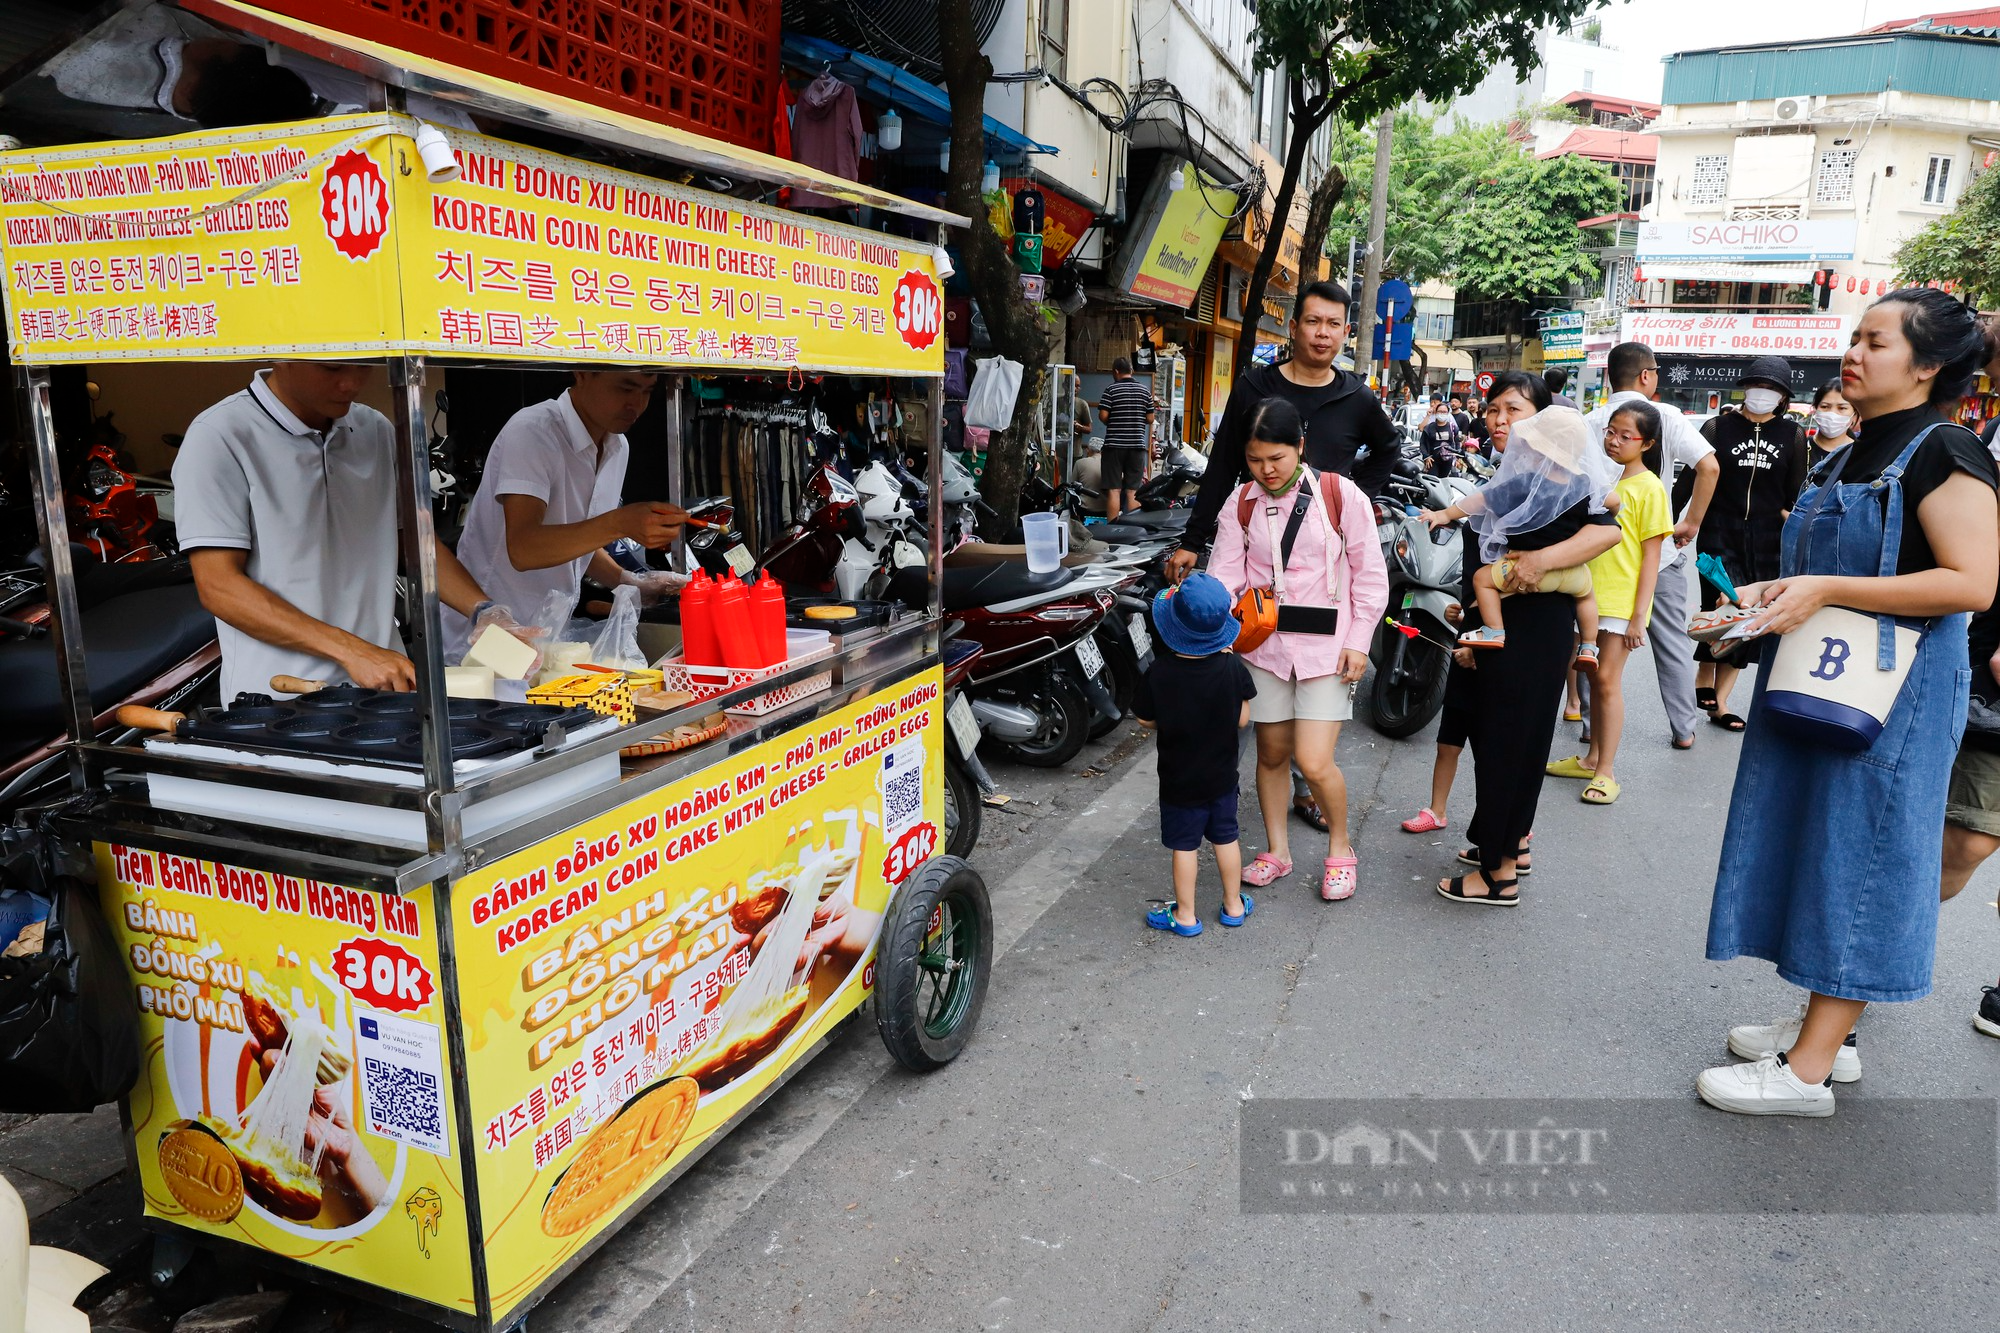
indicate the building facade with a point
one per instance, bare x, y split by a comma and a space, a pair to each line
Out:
1779, 162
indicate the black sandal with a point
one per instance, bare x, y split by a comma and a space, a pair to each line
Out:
1454, 889
1704, 699
1727, 721
1470, 857
1307, 808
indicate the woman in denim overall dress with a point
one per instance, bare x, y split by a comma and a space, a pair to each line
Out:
1831, 859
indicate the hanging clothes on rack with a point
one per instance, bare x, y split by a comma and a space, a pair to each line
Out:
826, 133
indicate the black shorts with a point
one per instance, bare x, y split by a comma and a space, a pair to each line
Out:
1123, 469
1182, 827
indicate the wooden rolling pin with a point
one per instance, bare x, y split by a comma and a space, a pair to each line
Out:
293, 685
151, 719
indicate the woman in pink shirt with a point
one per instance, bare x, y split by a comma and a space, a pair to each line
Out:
1311, 539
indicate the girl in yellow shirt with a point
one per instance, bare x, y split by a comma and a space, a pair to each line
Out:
1624, 577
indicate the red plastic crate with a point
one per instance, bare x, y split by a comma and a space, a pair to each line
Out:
710, 66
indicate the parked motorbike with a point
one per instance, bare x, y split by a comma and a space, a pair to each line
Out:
108, 514
150, 642
1039, 681
1410, 650
965, 777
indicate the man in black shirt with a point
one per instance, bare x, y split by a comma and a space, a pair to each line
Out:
1342, 415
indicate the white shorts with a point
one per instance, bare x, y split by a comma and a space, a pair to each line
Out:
1613, 625
1316, 699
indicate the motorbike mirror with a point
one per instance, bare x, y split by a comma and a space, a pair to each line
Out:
443, 403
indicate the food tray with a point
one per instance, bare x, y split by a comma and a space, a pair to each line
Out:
680, 738
806, 646
374, 726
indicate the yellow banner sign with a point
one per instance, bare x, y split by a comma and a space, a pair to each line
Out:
233, 969
631, 985
330, 239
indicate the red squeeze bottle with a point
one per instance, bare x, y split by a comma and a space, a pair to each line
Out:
734, 633
698, 645
767, 602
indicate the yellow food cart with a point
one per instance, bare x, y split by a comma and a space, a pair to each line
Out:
432, 1033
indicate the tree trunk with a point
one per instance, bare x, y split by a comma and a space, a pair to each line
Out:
1303, 126
1319, 220
1017, 328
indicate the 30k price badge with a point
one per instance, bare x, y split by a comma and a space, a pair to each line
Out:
910, 851
354, 205
383, 975
919, 310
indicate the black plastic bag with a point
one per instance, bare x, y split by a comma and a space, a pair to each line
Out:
69, 1025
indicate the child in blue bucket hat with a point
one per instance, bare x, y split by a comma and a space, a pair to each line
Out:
1206, 693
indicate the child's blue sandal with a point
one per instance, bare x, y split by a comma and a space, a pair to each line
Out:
1249, 906
1161, 917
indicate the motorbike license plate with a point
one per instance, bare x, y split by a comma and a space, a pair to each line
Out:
1142, 640
964, 726
1090, 657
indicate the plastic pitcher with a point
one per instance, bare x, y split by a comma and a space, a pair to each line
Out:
1047, 539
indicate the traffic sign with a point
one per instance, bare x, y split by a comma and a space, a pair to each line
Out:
1485, 382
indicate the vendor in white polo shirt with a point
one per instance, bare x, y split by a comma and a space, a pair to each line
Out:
285, 500
549, 500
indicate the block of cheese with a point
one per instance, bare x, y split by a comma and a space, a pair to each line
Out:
601, 692
506, 656
561, 658
469, 682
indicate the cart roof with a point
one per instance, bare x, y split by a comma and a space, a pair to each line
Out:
507, 100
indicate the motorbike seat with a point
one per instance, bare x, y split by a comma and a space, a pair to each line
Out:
968, 586
1122, 533
129, 640
1160, 519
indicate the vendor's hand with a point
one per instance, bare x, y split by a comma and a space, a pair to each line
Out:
1353, 665
1454, 615
1686, 531
1466, 658
1529, 569
493, 613
1181, 564
1788, 603
651, 524
658, 586
375, 668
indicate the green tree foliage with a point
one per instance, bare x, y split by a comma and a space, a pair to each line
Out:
1357, 58
1963, 246
1517, 237
1433, 175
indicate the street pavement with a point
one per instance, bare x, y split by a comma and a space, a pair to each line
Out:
1077, 1167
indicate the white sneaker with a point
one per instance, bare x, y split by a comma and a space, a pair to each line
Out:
1767, 1087
1754, 1041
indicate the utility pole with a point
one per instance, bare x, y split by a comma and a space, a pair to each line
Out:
1378, 219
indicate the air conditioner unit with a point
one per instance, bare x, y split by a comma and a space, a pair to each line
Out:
1793, 108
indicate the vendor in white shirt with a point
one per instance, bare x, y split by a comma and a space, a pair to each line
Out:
549, 500
284, 500
1634, 373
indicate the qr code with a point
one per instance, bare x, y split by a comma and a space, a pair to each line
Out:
903, 797
402, 1103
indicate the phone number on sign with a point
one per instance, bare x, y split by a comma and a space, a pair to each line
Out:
1765, 342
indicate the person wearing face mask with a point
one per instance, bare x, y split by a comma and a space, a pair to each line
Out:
1762, 453
1832, 421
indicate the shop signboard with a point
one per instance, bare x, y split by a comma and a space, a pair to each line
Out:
1683, 375
1562, 338
1063, 224
1173, 236
1691, 334
325, 240
617, 994
1762, 240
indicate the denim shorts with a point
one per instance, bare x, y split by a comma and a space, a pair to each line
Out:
1182, 827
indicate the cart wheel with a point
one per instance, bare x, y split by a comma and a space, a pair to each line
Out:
932, 963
